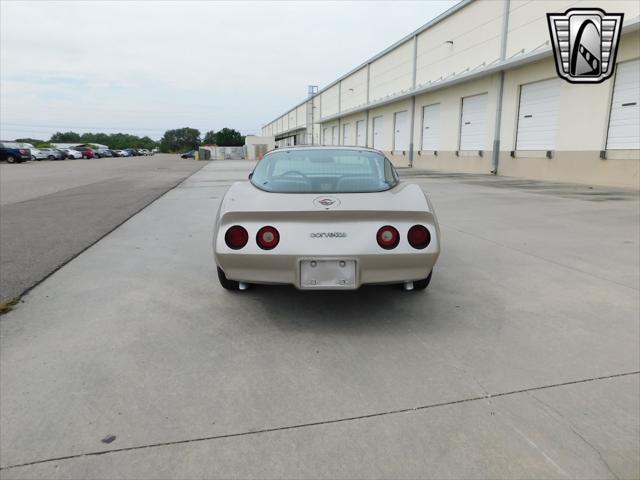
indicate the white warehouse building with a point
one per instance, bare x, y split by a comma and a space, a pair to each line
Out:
476, 90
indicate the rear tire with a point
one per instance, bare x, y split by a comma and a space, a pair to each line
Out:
11, 159
226, 283
422, 284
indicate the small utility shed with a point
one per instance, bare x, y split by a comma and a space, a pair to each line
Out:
256, 147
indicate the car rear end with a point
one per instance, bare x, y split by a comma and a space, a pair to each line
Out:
360, 238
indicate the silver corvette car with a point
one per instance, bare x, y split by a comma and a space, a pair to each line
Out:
324, 218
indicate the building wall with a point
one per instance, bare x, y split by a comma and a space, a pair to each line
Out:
398, 158
329, 101
475, 33
301, 116
392, 73
351, 121
354, 90
464, 43
582, 130
528, 22
450, 101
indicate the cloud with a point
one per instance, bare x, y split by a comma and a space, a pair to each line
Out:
157, 65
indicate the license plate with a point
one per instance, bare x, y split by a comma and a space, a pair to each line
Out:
327, 274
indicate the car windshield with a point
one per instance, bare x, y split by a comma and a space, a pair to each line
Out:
324, 171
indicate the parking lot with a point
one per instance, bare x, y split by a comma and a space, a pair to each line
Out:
521, 359
52, 210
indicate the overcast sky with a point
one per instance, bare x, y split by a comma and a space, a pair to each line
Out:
145, 67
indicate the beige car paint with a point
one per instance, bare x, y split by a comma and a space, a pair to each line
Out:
299, 218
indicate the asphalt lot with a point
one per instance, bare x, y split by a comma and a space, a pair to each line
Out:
521, 360
52, 210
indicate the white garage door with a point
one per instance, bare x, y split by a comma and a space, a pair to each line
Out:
378, 133
538, 115
474, 122
346, 129
431, 127
401, 131
624, 123
334, 136
360, 133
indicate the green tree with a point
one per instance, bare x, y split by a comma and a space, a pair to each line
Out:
180, 139
209, 138
112, 140
228, 137
66, 137
32, 141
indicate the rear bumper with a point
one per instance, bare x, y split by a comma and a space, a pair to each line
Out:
285, 269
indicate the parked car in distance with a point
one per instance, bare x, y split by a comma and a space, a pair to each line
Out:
143, 151
103, 152
71, 153
86, 152
63, 154
132, 152
13, 152
189, 154
52, 153
119, 153
36, 154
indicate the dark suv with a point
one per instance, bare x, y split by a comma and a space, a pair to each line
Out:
12, 152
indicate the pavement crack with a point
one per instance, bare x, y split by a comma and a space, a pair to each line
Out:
560, 418
322, 422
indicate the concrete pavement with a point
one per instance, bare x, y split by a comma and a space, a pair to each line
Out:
51, 211
520, 360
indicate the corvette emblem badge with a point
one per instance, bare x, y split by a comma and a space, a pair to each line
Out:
326, 203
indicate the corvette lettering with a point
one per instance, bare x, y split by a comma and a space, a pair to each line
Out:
328, 235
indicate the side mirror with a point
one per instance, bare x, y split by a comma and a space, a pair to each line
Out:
250, 175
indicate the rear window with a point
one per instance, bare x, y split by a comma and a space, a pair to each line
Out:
324, 171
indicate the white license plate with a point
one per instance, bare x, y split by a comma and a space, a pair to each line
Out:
327, 274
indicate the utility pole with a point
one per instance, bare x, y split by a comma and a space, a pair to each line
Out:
312, 91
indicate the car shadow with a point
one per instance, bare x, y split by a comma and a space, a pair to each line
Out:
369, 307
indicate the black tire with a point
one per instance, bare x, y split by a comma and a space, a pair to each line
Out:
11, 159
226, 283
422, 284
51, 157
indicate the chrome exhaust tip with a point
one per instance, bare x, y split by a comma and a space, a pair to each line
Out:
243, 286
408, 286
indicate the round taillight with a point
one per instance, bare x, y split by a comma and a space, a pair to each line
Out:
419, 237
388, 237
267, 238
236, 237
